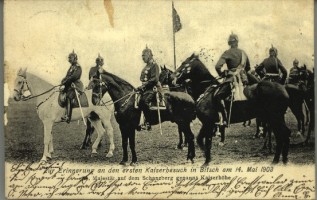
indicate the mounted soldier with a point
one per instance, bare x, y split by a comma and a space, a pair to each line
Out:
94, 73
150, 79
70, 83
238, 65
271, 67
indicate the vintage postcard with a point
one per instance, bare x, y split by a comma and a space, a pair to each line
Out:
118, 99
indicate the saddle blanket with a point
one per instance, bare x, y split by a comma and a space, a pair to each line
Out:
82, 98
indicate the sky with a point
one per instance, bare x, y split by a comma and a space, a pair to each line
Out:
40, 35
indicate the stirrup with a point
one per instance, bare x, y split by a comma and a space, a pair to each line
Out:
65, 119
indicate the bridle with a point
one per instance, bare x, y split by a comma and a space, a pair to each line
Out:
25, 83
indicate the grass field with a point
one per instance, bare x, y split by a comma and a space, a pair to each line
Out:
24, 142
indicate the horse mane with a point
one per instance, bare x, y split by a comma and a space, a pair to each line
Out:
118, 80
44, 83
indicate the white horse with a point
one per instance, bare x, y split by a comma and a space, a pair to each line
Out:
50, 112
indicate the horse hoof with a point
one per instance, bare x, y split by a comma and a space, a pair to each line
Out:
285, 161
109, 155
43, 161
221, 144
274, 162
93, 155
205, 165
179, 147
133, 164
123, 163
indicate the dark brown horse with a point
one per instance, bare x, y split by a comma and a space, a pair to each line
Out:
180, 109
267, 101
166, 79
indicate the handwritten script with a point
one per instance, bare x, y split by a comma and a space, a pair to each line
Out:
59, 180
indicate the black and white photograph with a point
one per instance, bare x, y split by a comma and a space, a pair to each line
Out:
140, 99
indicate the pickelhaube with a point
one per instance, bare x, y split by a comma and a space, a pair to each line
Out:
295, 61
233, 37
99, 58
147, 51
73, 54
273, 49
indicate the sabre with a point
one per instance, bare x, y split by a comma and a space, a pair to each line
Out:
158, 111
81, 111
230, 107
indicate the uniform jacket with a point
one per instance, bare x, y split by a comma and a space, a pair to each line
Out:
73, 76
232, 58
272, 65
150, 75
94, 72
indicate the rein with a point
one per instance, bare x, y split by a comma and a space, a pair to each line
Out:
28, 98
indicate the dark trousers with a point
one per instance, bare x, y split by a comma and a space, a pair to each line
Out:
224, 92
147, 98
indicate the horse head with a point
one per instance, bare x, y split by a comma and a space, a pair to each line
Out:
20, 85
192, 68
98, 86
166, 76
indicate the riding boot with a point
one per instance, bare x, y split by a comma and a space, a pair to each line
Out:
68, 114
223, 111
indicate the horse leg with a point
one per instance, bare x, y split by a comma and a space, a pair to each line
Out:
47, 139
286, 142
180, 142
200, 137
87, 139
308, 116
222, 139
100, 131
269, 134
124, 135
208, 147
132, 147
265, 135
109, 131
279, 131
50, 146
189, 136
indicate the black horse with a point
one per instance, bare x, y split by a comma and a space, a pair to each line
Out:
180, 109
267, 101
166, 78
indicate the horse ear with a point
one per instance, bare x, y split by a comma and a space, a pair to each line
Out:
164, 67
161, 67
19, 71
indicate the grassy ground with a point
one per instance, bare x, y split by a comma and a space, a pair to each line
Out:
24, 142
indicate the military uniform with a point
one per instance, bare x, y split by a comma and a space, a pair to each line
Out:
236, 59
294, 75
272, 65
94, 72
73, 76
149, 78
232, 58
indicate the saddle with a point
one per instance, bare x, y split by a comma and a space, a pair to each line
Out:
272, 77
72, 95
153, 105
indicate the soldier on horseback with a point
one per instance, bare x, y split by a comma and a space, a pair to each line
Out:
149, 78
238, 64
70, 83
294, 75
94, 73
271, 67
